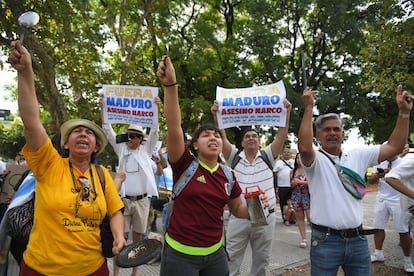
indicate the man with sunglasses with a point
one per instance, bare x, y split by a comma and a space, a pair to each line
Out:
134, 158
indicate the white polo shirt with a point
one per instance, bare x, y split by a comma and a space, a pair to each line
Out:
331, 205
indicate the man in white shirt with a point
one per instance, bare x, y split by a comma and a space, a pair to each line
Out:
134, 157
336, 214
401, 178
252, 170
282, 170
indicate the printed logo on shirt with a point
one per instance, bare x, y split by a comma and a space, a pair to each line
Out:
87, 214
201, 179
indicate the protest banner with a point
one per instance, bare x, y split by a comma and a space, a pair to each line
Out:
126, 104
260, 105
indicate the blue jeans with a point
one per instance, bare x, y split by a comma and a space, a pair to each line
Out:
329, 251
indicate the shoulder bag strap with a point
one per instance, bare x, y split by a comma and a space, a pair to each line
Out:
330, 159
287, 164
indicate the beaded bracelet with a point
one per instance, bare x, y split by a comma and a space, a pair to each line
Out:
169, 85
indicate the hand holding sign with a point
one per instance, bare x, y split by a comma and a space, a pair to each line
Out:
125, 104
260, 105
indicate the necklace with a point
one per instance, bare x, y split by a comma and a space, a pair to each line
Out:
85, 184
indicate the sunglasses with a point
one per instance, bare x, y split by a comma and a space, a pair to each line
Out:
85, 192
86, 189
133, 136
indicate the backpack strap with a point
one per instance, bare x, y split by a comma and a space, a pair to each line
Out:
189, 173
20, 181
101, 176
102, 181
177, 188
263, 155
265, 158
236, 159
184, 179
229, 175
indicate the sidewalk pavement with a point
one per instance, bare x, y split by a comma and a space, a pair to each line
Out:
286, 251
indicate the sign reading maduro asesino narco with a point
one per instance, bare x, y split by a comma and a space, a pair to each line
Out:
260, 105
125, 104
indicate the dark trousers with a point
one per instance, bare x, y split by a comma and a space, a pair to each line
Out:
284, 195
174, 263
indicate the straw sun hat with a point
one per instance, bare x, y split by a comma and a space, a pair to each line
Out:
68, 126
136, 129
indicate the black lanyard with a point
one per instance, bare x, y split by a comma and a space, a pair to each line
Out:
74, 183
287, 164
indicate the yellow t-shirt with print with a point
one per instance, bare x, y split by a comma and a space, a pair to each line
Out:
65, 238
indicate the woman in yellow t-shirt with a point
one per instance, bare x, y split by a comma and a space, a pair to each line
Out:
70, 202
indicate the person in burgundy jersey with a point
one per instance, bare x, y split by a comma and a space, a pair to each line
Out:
193, 240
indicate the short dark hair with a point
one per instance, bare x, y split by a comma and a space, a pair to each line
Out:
248, 130
197, 133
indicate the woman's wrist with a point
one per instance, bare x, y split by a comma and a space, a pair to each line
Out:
171, 85
404, 114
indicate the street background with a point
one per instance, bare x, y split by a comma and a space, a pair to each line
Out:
288, 256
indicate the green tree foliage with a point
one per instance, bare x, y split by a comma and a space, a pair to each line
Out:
12, 139
388, 60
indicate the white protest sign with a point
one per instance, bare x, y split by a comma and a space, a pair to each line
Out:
260, 105
157, 147
126, 104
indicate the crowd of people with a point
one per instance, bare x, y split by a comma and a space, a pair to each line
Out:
196, 242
